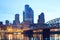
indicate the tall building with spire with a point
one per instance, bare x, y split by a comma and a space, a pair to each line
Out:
28, 14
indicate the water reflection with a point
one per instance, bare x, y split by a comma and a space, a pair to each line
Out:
14, 36
37, 36
55, 37
19, 36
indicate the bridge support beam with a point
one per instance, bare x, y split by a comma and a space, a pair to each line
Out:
29, 33
46, 34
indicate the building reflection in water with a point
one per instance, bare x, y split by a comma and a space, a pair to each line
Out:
35, 36
19, 36
15, 36
55, 37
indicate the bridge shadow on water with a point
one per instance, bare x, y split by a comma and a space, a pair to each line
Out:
45, 35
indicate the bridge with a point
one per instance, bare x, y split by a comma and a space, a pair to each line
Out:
51, 27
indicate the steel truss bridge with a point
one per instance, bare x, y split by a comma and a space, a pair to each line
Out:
52, 25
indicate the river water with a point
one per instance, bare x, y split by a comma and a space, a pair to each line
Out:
20, 36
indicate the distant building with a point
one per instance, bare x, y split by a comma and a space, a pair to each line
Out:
2, 26
28, 14
41, 19
7, 22
1, 23
16, 21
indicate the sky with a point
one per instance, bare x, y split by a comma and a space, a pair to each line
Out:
8, 9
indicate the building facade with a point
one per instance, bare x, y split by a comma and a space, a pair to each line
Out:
16, 21
28, 14
41, 19
7, 22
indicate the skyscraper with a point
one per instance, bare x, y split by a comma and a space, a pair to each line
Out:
28, 14
7, 22
16, 21
41, 19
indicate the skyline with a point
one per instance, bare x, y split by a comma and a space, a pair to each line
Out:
8, 8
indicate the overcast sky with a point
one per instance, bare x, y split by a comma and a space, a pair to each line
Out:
8, 9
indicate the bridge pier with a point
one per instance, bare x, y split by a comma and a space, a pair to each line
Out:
29, 33
46, 34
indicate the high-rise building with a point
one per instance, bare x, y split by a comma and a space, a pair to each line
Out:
28, 14
17, 17
16, 21
41, 19
7, 22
